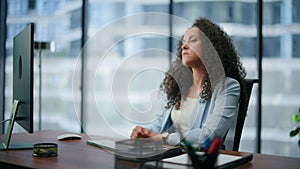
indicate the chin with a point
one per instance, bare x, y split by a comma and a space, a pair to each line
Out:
186, 63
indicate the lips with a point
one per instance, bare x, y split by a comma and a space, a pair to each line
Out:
185, 53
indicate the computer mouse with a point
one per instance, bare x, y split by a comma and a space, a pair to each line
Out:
69, 136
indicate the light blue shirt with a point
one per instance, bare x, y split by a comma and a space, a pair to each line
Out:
210, 119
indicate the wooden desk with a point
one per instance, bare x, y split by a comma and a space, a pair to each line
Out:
263, 161
76, 154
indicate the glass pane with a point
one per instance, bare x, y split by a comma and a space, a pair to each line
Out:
126, 57
237, 18
57, 22
280, 77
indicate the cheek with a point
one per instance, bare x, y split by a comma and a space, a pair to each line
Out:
192, 59
196, 52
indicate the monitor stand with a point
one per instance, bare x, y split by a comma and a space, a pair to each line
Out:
6, 143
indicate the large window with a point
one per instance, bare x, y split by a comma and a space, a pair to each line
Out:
54, 22
280, 96
238, 18
126, 55
128, 51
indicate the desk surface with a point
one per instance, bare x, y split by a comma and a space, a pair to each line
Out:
76, 154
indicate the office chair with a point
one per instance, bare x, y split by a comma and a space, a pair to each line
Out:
242, 115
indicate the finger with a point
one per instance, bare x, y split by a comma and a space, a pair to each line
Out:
133, 133
145, 131
142, 135
136, 132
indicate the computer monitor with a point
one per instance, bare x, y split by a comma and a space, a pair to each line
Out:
22, 109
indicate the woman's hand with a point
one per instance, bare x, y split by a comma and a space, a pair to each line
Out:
141, 132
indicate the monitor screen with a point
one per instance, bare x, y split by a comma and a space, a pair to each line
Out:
23, 76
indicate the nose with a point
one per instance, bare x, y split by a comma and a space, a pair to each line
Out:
184, 46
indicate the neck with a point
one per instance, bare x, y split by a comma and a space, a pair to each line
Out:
199, 77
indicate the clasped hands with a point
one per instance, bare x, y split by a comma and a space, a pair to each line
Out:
141, 132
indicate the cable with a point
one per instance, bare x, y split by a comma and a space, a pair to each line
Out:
5, 121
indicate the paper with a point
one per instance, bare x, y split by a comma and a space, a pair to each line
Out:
183, 160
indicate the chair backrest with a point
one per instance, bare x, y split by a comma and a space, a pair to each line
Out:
242, 115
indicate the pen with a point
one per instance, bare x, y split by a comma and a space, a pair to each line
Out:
215, 146
206, 142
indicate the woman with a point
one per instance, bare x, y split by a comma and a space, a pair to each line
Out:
204, 88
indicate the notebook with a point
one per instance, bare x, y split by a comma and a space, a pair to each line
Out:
138, 149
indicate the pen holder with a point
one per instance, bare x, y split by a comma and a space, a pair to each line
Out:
205, 161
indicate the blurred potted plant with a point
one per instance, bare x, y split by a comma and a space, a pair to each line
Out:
296, 131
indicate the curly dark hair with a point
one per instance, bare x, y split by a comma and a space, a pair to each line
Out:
179, 77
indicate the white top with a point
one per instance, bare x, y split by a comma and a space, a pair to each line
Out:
182, 117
